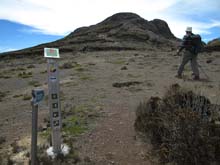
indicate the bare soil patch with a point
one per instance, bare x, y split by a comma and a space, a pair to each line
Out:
102, 114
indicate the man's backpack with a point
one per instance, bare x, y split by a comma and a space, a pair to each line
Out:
197, 43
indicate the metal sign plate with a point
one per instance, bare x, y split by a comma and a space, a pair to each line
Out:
51, 53
38, 95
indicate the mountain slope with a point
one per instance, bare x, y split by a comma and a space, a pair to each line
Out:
213, 45
122, 31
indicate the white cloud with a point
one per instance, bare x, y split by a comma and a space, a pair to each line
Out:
202, 15
59, 17
63, 16
6, 49
178, 27
198, 6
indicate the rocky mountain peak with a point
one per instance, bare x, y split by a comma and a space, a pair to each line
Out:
162, 28
121, 17
121, 31
125, 24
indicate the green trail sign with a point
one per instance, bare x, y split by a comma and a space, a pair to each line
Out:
51, 53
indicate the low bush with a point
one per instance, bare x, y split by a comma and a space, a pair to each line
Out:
181, 127
25, 74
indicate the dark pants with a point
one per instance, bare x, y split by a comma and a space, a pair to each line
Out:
188, 56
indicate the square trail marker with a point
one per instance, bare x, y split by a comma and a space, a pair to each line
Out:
51, 53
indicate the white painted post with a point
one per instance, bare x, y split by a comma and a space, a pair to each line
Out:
54, 97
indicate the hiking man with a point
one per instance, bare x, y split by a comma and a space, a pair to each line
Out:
190, 54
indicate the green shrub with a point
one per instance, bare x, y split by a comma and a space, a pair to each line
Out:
76, 123
2, 95
25, 74
74, 126
66, 65
44, 71
5, 74
34, 83
20, 69
27, 97
31, 66
17, 95
80, 69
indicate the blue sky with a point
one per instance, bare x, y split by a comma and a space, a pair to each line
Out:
26, 23
17, 36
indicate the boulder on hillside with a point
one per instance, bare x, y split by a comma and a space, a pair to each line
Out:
213, 45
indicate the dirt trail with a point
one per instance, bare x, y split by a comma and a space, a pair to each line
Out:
113, 140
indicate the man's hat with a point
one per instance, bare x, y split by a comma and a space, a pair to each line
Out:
189, 29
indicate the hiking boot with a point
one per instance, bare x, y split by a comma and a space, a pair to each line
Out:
196, 78
178, 76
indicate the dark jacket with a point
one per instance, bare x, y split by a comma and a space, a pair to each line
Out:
187, 43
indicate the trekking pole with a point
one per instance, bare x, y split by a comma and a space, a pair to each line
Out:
178, 54
203, 71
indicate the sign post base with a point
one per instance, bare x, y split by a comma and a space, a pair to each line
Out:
64, 151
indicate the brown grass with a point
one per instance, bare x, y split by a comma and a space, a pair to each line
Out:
181, 127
